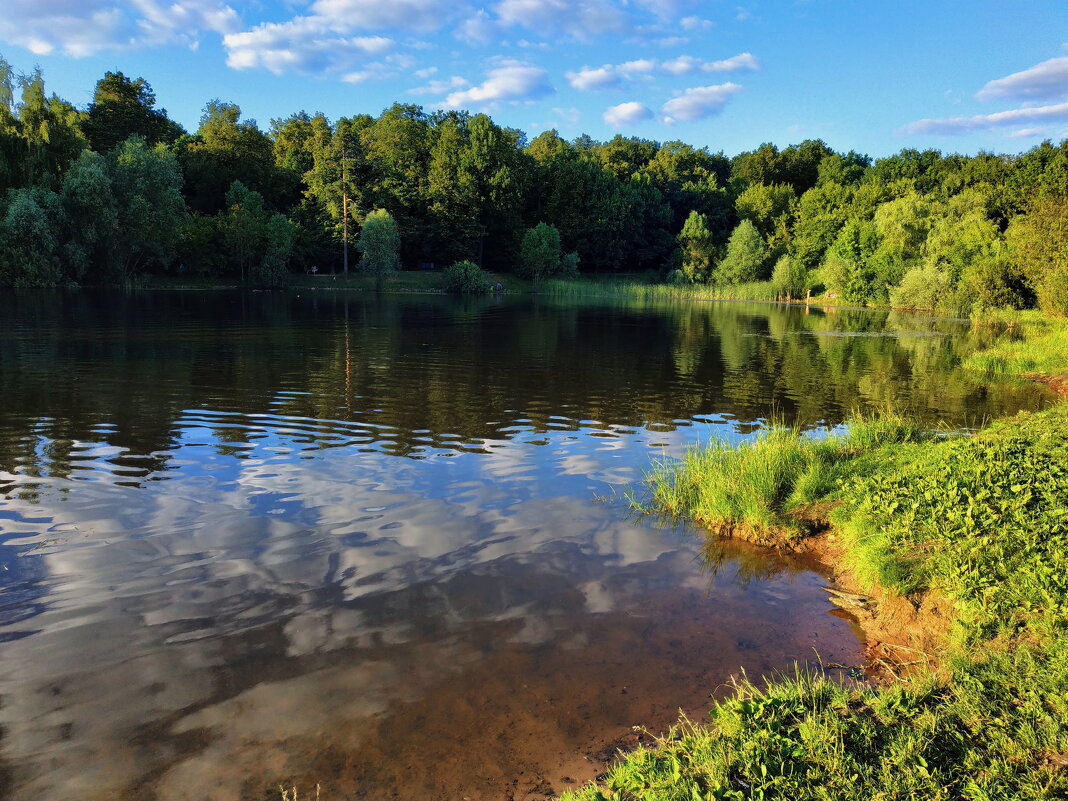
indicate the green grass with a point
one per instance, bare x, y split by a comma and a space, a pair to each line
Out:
986, 732
760, 490
632, 289
984, 519
981, 519
1029, 342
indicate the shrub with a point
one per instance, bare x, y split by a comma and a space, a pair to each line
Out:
465, 277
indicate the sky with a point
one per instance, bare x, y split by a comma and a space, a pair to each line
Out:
868, 75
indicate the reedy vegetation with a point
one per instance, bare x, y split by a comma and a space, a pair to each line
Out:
117, 193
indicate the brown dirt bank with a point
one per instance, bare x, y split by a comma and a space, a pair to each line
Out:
1058, 383
902, 635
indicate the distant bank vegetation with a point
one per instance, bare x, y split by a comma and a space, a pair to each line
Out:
117, 191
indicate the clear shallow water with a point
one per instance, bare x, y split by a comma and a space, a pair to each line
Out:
380, 543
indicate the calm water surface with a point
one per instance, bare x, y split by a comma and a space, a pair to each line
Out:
380, 543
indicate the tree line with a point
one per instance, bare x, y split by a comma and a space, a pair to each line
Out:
118, 191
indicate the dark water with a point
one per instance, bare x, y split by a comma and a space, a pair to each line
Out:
380, 543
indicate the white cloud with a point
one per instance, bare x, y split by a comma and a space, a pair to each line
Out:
511, 82
1045, 81
478, 29
570, 114
303, 44
686, 65
665, 9
639, 66
440, 87
956, 126
609, 76
672, 41
627, 114
589, 78
698, 103
683, 65
1027, 133
695, 24
581, 19
742, 61
84, 27
425, 73
417, 15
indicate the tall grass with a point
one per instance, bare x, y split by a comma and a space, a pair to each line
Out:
1030, 343
759, 490
761, 290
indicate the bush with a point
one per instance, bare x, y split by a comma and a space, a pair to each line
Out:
466, 278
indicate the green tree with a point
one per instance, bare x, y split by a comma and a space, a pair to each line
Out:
273, 269
768, 206
122, 108
465, 278
540, 252
746, 258
47, 135
91, 213
697, 249
379, 246
146, 183
225, 149
30, 249
789, 277
243, 227
846, 267
1038, 247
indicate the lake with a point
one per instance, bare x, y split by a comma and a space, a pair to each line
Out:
383, 544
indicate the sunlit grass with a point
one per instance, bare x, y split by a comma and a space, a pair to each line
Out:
634, 290
1031, 343
759, 489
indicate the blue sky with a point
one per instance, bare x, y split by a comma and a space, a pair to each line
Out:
866, 75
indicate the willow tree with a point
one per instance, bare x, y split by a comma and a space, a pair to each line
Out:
379, 246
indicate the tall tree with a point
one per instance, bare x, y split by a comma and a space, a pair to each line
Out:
379, 246
696, 246
122, 108
540, 253
746, 258
225, 149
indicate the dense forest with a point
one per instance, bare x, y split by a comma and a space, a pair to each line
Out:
117, 191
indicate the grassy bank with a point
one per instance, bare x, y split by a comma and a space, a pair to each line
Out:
981, 520
1028, 342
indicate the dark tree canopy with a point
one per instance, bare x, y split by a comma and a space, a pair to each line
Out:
122, 108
